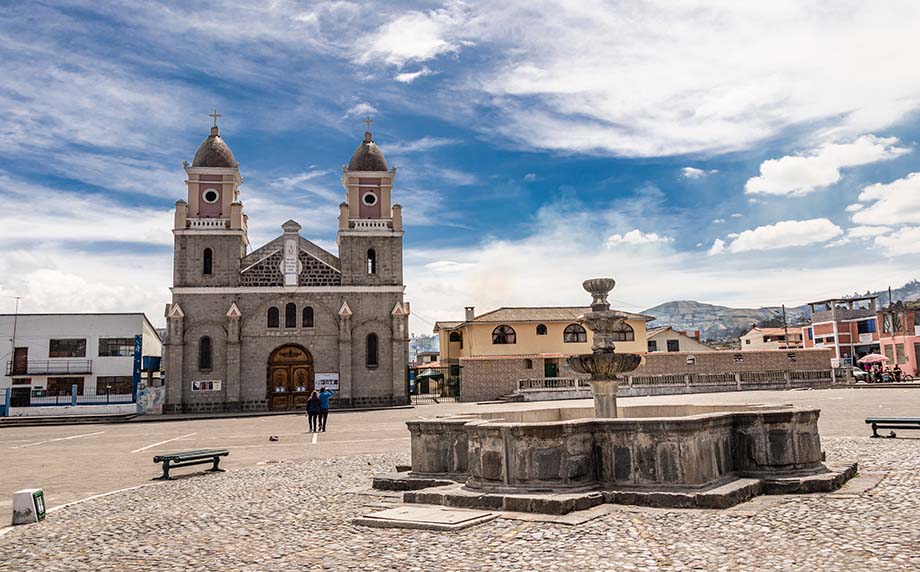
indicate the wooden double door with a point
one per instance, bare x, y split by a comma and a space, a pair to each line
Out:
290, 378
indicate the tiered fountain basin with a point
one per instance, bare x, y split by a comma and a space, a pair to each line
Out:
660, 455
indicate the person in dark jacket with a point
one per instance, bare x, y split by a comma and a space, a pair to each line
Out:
313, 410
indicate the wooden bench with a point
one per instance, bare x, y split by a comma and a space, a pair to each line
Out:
189, 458
892, 423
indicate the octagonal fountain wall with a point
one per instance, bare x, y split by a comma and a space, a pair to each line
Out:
647, 447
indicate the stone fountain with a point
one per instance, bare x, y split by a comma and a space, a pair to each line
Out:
559, 459
603, 364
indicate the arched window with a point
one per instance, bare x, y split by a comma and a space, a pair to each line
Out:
371, 261
290, 315
623, 332
372, 352
574, 334
455, 336
204, 353
207, 262
504, 335
541, 329
307, 317
274, 318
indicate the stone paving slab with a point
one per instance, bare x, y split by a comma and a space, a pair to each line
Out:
425, 517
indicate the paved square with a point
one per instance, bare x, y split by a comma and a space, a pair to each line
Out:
289, 505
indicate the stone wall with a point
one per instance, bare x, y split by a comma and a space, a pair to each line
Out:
661, 363
488, 378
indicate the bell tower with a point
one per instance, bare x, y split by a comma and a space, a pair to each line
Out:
370, 224
210, 227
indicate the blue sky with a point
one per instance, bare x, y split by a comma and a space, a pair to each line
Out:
726, 152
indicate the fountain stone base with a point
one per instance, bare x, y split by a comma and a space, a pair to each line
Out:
670, 455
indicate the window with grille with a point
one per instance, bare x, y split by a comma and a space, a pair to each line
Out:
274, 318
307, 317
116, 347
574, 333
290, 315
67, 348
504, 335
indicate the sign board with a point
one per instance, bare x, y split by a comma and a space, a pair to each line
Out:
327, 380
28, 506
206, 385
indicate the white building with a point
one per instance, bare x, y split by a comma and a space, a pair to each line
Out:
44, 355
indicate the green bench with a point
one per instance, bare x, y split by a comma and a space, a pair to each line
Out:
189, 458
892, 423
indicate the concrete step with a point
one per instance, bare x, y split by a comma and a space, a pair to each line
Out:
28, 421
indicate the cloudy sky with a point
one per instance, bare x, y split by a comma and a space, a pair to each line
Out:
724, 151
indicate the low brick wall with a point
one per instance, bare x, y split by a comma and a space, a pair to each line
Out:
486, 379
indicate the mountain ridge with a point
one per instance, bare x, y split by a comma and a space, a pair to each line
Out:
717, 322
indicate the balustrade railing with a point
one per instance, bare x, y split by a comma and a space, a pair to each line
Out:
552, 383
370, 223
208, 223
50, 367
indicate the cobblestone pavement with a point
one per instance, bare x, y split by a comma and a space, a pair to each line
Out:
297, 516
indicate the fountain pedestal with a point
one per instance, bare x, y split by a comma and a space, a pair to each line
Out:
605, 397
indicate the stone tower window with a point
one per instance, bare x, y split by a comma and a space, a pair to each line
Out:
574, 334
290, 315
541, 329
307, 321
204, 353
372, 350
504, 335
207, 261
371, 261
274, 318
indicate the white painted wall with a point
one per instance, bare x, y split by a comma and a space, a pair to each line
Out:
35, 331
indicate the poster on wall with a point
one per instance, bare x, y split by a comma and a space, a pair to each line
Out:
209, 385
327, 380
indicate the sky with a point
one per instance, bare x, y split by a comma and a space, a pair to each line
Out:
736, 153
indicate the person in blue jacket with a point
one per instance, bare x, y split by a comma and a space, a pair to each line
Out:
324, 395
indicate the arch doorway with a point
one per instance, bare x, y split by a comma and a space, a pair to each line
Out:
290, 378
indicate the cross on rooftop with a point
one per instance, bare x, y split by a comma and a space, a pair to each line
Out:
368, 121
215, 115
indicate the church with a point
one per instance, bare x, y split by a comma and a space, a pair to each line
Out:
256, 329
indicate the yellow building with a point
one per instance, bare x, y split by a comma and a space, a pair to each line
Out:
550, 334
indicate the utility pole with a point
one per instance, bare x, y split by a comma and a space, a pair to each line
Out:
785, 328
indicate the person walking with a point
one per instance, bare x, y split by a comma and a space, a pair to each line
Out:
324, 395
313, 410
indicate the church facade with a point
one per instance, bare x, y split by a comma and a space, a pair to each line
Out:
259, 329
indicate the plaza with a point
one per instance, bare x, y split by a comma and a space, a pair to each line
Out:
289, 504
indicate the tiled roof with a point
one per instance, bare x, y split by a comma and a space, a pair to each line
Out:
445, 325
546, 314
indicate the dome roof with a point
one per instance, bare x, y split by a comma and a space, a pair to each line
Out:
213, 152
368, 156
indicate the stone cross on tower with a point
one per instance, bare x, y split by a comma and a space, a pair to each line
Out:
215, 115
368, 122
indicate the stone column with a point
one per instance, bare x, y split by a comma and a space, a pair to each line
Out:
605, 398
346, 389
400, 350
175, 350
232, 402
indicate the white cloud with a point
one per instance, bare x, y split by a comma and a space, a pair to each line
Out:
426, 143
896, 202
867, 231
637, 237
902, 242
363, 108
718, 247
695, 173
530, 177
736, 215
855, 207
799, 175
409, 77
781, 235
718, 220
416, 36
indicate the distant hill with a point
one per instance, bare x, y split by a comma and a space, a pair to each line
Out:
721, 322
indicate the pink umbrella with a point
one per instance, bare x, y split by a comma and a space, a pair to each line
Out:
873, 358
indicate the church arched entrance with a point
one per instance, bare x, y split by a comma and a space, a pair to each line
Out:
290, 378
